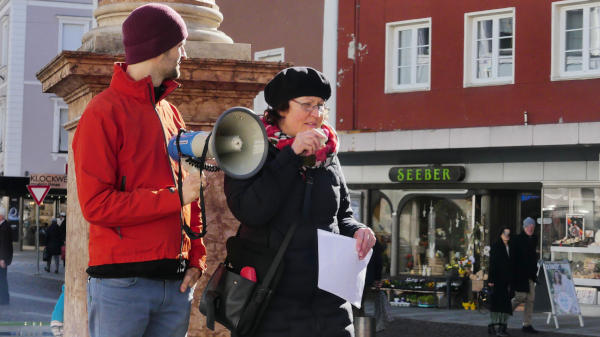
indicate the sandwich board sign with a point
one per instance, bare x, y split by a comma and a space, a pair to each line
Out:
38, 192
561, 291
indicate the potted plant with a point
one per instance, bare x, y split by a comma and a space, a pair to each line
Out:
427, 301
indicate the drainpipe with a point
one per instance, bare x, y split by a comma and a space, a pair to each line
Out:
355, 73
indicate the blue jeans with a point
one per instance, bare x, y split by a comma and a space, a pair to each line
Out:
137, 307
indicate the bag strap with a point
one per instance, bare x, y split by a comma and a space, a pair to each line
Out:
288, 237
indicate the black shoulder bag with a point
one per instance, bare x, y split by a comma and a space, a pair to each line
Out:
236, 302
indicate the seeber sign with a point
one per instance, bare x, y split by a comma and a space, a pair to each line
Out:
427, 174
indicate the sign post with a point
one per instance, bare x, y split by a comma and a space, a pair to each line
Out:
38, 192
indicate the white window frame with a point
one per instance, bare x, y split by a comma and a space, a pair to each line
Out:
470, 47
75, 20
559, 9
3, 113
260, 105
391, 56
5, 40
58, 105
278, 53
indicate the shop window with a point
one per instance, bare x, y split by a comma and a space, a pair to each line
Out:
489, 47
437, 232
576, 39
408, 55
571, 230
381, 223
29, 221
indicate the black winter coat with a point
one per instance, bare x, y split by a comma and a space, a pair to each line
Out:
525, 261
266, 206
6, 248
501, 275
55, 238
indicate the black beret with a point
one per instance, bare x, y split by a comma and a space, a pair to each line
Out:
296, 82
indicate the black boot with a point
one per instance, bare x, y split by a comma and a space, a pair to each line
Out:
501, 331
491, 329
529, 329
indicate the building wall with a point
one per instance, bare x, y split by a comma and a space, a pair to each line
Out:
296, 26
38, 107
363, 105
29, 127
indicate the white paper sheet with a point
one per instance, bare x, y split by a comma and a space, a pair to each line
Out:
340, 271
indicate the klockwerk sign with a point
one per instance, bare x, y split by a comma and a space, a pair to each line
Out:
54, 180
427, 174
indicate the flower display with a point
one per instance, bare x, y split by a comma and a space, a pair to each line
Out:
464, 265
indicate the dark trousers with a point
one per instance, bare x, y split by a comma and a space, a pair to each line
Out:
3, 286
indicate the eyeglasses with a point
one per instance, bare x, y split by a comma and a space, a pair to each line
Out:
321, 108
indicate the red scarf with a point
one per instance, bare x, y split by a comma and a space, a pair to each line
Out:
323, 157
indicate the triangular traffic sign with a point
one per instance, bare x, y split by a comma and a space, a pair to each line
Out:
38, 192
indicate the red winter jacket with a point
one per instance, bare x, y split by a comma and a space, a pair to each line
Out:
124, 180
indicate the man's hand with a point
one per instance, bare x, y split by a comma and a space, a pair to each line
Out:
2, 264
191, 277
191, 186
365, 240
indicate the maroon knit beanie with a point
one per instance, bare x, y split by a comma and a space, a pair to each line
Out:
151, 30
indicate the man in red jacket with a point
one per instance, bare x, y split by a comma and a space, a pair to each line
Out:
142, 267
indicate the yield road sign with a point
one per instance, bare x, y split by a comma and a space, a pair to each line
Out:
38, 192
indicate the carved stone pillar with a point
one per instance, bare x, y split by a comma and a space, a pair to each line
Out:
202, 18
216, 77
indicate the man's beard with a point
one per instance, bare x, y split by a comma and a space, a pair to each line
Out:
173, 74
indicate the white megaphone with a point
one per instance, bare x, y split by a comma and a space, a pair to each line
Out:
238, 142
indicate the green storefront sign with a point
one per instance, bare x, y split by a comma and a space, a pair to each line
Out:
427, 174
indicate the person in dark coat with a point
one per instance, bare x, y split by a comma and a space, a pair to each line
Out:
6, 255
301, 145
55, 240
500, 279
526, 270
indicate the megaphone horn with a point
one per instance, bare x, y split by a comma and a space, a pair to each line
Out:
238, 142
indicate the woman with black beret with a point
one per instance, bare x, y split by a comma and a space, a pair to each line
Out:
302, 145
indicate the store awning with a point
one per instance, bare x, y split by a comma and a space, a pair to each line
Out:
17, 187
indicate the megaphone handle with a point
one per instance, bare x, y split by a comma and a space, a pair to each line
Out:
190, 233
202, 208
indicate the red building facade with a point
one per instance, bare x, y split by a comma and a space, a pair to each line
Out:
448, 102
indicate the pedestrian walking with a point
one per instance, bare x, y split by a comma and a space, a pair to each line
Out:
142, 266
500, 278
54, 241
526, 270
6, 255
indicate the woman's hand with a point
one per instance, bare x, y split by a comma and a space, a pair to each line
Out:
490, 284
308, 142
365, 240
